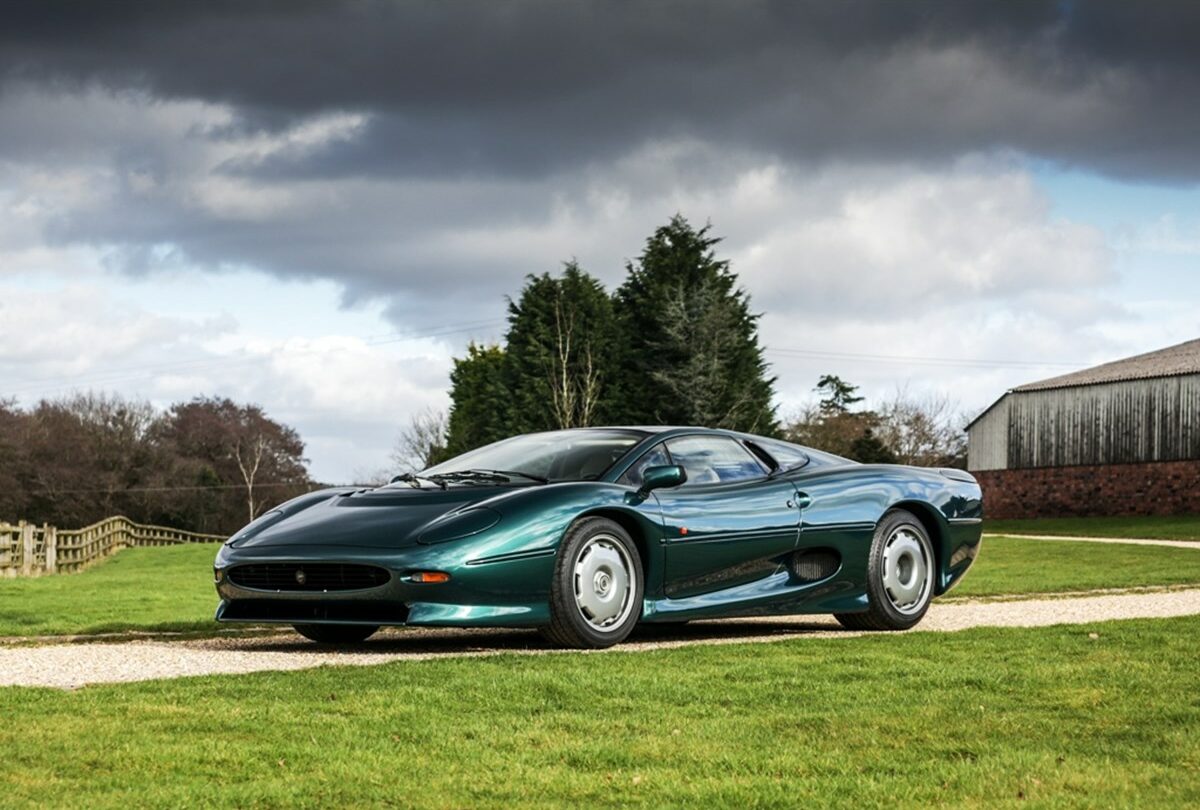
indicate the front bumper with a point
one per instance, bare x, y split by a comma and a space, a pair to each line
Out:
510, 592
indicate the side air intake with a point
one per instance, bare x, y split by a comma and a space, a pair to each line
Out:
815, 564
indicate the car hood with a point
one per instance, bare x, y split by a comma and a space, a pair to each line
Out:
383, 518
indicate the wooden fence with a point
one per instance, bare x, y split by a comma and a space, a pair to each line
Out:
27, 549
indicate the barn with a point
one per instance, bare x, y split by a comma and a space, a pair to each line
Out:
1122, 438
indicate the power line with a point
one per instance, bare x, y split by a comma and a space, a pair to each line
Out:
919, 360
375, 340
33, 386
123, 490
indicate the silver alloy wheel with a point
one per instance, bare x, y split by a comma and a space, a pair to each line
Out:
907, 570
604, 583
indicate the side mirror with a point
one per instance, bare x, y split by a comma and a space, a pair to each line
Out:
664, 476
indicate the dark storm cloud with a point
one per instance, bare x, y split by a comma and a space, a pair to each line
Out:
431, 154
529, 88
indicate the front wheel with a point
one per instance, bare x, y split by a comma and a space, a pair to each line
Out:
900, 576
596, 592
336, 633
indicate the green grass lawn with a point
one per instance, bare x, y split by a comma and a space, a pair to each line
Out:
993, 717
165, 588
170, 588
1012, 565
1172, 527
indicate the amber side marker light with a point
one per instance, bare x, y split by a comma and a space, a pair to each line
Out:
430, 576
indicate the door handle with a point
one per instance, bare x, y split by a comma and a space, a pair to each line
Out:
803, 501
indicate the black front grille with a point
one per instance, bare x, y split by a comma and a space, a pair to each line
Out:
308, 576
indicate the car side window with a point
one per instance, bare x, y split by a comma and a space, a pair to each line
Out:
656, 456
714, 460
788, 456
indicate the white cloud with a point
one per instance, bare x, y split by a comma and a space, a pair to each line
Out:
348, 396
1166, 234
959, 261
908, 242
50, 335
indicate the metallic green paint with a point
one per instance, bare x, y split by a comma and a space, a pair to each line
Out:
498, 543
666, 475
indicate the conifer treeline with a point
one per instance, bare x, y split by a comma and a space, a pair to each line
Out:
676, 343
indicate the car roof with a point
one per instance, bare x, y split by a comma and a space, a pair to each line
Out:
649, 429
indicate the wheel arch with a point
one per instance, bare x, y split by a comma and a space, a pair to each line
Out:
931, 521
643, 540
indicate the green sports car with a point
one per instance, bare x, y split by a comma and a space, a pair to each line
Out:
584, 533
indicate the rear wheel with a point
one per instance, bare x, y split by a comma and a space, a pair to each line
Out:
596, 592
336, 633
900, 576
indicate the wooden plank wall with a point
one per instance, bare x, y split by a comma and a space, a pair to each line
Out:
987, 439
1130, 422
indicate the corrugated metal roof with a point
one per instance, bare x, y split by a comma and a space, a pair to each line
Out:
1172, 361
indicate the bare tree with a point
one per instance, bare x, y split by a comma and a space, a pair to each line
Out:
371, 477
574, 391
78, 458
204, 465
926, 431
923, 430
229, 462
249, 456
422, 443
834, 432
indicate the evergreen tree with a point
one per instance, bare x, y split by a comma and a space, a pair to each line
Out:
691, 352
560, 348
480, 408
839, 394
868, 449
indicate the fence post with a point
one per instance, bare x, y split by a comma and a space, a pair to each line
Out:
50, 543
26, 548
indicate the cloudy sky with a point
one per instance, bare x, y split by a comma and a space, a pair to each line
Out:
315, 205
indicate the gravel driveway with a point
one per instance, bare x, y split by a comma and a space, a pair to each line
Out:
68, 666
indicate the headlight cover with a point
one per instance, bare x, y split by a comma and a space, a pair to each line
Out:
253, 527
460, 525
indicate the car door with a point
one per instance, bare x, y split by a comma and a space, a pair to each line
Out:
730, 524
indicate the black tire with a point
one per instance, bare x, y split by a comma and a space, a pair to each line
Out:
336, 633
854, 621
570, 624
898, 535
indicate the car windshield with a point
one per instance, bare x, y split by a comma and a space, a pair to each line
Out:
561, 455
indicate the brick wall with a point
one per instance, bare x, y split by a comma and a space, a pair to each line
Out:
1159, 488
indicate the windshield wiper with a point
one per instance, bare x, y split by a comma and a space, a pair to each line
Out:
487, 476
414, 480
530, 476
